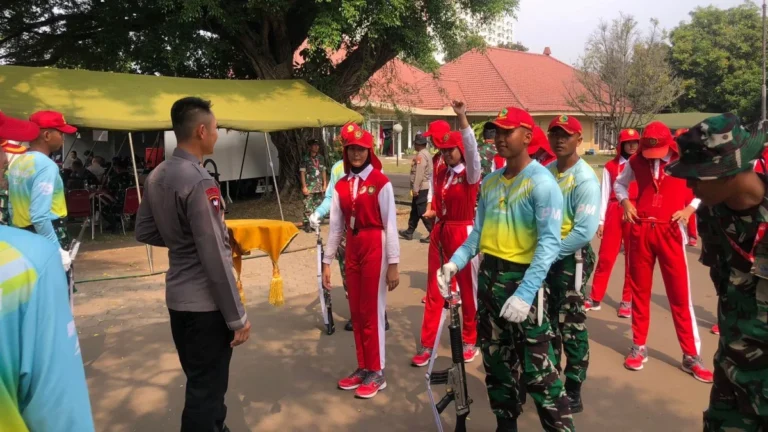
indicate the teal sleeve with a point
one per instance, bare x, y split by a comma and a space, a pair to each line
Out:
548, 204
41, 201
471, 246
53, 395
325, 207
586, 198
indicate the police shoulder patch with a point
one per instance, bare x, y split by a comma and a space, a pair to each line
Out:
214, 196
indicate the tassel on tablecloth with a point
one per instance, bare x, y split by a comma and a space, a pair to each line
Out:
276, 287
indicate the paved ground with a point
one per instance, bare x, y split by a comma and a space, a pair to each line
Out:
284, 378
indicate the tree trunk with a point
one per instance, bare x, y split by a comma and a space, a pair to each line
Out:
290, 149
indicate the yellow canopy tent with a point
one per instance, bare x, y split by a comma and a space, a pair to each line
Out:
131, 103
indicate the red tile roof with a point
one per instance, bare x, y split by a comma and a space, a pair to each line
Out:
487, 80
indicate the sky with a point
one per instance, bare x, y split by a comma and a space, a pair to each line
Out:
565, 25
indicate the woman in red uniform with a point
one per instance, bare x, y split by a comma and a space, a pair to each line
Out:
612, 229
455, 186
363, 210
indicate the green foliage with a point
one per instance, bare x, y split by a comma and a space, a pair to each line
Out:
459, 47
517, 46
717, 55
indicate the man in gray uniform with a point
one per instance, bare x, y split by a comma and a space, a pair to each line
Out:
421, 176
182, 210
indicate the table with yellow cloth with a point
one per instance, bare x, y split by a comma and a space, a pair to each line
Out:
269, 236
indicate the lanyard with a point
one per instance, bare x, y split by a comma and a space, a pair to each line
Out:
316, 162
353, 187
656, 169
446, 185
749, 256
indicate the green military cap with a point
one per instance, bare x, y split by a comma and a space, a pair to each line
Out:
717, 147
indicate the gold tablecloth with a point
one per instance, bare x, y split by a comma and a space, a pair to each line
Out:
269, 236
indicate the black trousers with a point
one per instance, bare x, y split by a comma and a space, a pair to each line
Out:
418, 208
202, 341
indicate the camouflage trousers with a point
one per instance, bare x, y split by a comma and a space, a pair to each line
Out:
566, 309
739, 397
311, 202
340, 252
511, 350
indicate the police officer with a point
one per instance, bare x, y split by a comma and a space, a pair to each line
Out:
421, 176
716, 160
183, 211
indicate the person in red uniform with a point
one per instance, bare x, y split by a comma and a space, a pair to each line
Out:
658, 230
363, 210
612, 229
455, 187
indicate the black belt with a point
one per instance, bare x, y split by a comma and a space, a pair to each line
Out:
495, 263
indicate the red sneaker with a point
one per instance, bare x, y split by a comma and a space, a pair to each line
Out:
625, 310
692, 242
694, 366
637, 356
353, 381
371, 386
470, 352
422, 357
593, 305
715, 329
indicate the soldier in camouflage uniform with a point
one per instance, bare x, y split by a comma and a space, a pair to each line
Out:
581, 200
313, 180
517, 228
487, 151
716, 158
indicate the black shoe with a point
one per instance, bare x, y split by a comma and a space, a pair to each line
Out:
405, 234
424, 240
348, 327
523, 393
307, 228
506, 425
573, 392
386, 321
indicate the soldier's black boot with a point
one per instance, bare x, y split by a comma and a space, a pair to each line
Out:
307, 228
406, 234
506, 425
348, 327
386, 321
573, 392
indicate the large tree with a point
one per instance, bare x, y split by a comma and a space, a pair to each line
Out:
254, 39
717, 54
623, 78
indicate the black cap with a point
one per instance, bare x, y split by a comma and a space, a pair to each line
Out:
420, 140
312, 142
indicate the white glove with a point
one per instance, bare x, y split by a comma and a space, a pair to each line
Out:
444, 276
314, 221
66, 261
515, 310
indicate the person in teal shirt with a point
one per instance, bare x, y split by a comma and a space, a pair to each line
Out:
567, 279
42, 381
517, 228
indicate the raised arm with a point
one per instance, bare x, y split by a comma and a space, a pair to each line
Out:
471, 155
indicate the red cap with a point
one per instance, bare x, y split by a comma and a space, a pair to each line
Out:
628, 135
656, 140
437, 130
512, 118
351, 134
52, 120
12, 148
571, 125
680, 132
17, 130
540, 142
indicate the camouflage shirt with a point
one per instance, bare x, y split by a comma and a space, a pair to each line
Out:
487, 152
5, 215
728, 242
314, 168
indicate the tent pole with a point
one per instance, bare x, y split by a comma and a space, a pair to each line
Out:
242, 164
118, 151
138, 193
274, 178
64, 157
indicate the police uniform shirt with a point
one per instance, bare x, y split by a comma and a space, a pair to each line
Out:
182, 210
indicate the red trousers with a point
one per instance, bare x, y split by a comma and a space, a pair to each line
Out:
366, 270
614, 231
450, 235
649, 240
693, 232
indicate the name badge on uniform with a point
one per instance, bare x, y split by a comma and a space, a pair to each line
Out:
657, 200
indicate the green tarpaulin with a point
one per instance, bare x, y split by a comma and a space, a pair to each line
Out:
128, 102
683, 120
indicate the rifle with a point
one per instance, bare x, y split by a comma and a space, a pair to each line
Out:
323, 294
455, 377
74, 247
